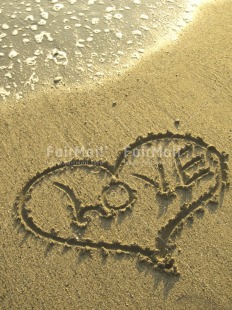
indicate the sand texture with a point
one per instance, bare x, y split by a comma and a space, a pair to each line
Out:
138, 214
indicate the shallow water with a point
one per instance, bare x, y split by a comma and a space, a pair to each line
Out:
55, 42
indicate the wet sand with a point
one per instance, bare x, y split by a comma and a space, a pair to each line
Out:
51, 43
118, 230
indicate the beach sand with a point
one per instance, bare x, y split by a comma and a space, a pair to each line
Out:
117, 255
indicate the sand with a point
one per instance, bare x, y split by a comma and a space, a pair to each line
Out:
122, 229
43, 43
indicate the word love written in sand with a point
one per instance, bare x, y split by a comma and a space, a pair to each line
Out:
136, 206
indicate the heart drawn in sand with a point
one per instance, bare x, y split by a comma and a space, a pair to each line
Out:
136, 206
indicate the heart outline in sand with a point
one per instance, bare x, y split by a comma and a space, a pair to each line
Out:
160, 255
